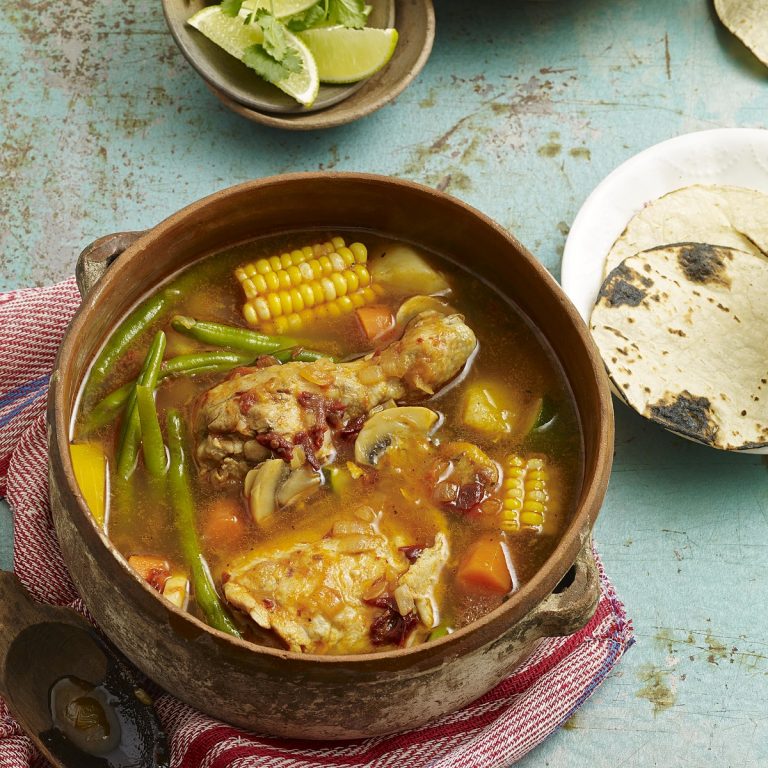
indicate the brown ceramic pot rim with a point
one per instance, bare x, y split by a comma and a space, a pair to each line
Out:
522, 601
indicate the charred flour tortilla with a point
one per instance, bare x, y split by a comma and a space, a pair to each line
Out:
682, 330
748, 20
732, 216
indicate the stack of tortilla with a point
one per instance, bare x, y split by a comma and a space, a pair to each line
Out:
682, 316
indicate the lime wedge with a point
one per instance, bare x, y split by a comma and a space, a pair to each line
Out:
280, 9
347, 55
234, 36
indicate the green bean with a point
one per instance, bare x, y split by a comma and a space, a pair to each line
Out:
181, 497
107, 408
205, 362
133, 325
151, 437
301, 354
131, 433
192, 364
230, 336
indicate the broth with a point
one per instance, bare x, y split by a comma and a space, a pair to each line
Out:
482, 495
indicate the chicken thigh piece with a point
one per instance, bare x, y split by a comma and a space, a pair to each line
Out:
283, 406
345, 592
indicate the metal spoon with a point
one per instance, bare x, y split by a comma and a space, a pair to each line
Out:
241, 84
74, 696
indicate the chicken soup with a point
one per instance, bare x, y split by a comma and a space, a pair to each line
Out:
329, 442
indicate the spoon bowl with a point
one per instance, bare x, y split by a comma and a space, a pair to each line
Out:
75, 697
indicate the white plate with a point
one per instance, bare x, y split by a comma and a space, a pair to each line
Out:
734, 156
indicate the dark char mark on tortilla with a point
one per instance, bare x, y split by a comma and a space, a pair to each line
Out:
703, 263
621, 287
687, 414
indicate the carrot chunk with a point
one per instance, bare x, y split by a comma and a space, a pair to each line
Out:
376, 320
224, 524
485, 568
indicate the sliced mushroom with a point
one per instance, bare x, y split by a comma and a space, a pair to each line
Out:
261, 486
298, 485
387, 428
417, 304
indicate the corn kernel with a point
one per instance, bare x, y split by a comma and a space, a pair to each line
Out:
360, 252
512, 503
251, 270
336, 262
333, 309
325, 265
284, 279
250, 314
297, 256
275, 308
281, 325
307, 294
241, 274
318, 292
317, 268
357, 299
294, 275
285, 260
296, 299
286, 303
262, 308
362, 274
249, 288
533, 506
347, 256
294, 321
368, 294
345, 304
307, 252
275, 263
350, 278
329, 290
272, 281
337, 242
536, 474
321, 311
262, 266
339, 283
531, 518
260, 283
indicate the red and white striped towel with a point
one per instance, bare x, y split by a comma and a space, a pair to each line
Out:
496, 730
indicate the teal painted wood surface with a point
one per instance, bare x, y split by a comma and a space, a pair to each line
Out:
521, 110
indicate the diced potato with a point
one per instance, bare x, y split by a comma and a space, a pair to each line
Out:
483, 412
493, 409
176, 590
400, 267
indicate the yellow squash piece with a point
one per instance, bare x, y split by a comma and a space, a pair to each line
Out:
90, 465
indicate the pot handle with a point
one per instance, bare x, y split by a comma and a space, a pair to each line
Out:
96, 258
573, 601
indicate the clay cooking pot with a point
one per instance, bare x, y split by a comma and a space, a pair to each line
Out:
270, 690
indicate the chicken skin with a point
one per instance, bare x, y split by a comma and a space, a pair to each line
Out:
274, 409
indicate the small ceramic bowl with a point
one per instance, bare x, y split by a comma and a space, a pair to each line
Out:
244, 92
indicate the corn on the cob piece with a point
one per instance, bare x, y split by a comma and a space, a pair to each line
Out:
525, 494
322, 280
